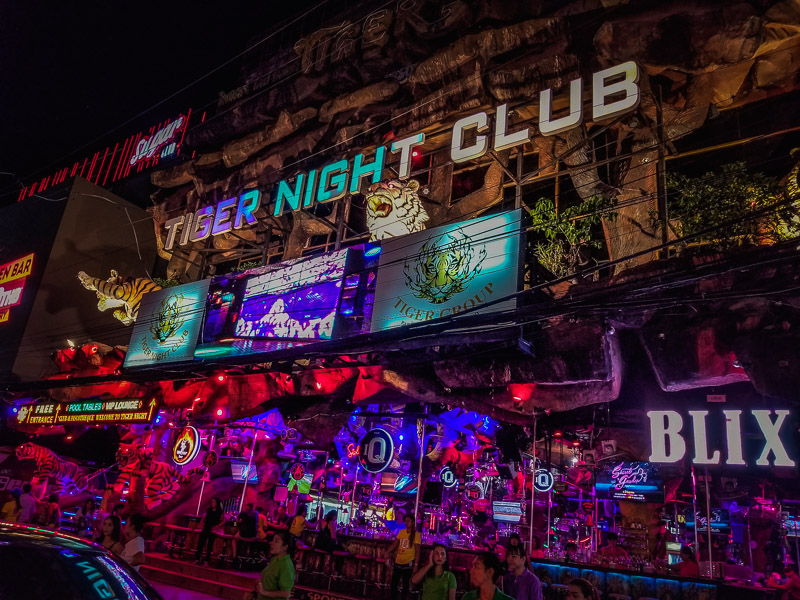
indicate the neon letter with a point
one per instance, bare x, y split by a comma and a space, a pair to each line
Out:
772, 438
172, 228
360, 169
733, 431
503, 140
666, 425
478, 149
248, 204
202, 224
309, 195
222, 217
628, 86
334, 174
405, 146
550, 126
292, 197
187, 229
700, 442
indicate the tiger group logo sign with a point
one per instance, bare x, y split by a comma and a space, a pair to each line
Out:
186, 446
449, 269
168, 326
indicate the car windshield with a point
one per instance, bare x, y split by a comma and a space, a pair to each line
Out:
46, 571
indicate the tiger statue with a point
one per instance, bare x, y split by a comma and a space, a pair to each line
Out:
122, 294
162, 481
68, 475
394, 208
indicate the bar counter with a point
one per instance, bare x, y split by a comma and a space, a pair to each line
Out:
612, 583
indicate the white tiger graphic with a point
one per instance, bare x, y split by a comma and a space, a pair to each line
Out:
394, 208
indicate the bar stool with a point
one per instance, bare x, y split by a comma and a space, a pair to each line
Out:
321, 568
301, 557
362, 571
338, 567
380, 572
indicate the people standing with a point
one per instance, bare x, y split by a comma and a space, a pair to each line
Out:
211, 519
133, 553
438, 582
84, 518
111, 535
53, 513
326, 538
688, 567
537, 550
247, 524
277, 579
405, 548
519, 582
12, 509
792, 584
486, 570
298, 523
611, 550
262, 523
28, 503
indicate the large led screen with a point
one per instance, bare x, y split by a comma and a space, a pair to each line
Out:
168, 325
634, 481
446, 270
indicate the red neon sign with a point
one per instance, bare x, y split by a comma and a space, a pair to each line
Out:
12, 282
136, 154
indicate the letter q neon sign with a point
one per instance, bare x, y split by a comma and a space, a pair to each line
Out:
376, 450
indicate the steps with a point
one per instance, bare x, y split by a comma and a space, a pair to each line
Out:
230, 585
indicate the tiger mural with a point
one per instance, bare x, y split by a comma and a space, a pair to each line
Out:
122, 294
162, 481
394, 208
68, 475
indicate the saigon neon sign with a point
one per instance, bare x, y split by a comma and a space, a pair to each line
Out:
668, 445
148, 146
12, 283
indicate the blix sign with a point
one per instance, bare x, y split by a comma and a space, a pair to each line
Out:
668, 444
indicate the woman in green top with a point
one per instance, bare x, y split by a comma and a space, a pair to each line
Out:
438, 582
277, 579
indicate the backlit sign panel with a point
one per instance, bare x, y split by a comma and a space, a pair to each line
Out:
168, 325
668, 444
633, 481
376, 450
445, 270
12, 283
186, 446
134, 410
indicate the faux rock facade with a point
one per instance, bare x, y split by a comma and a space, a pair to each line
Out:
378, 75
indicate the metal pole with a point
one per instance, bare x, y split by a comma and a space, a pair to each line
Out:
694, 513
203, 486
353, 500
247, 474
708, 532
421, 438
750, 540
533, 486
549, 504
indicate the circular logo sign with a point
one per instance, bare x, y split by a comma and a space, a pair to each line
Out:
473, 491
543, 480
210, 459
447, 477
187, 445
289, 435
297, 471
375, 451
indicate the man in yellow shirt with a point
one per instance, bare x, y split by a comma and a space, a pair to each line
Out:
299, 522
405, 549
12, 508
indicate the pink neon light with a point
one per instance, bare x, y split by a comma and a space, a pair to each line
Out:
110, 163
100, 168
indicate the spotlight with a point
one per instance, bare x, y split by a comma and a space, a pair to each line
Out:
220, 412
319, 385
557, 434
222, 377
576, 443
415, 153
69, 438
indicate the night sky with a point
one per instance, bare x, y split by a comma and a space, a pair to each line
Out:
73, 71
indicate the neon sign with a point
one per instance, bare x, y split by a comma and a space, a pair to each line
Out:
669, 446
376, 451
148, 146
105, 411
614, 91
186, 447
625, 474
117, 162
12, 282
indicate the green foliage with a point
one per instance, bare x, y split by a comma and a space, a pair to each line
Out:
568, 233
729, 194
250, 264
165, 283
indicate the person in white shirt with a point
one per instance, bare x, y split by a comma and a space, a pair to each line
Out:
133, 553
28, 503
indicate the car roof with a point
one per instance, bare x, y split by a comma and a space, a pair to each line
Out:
30, 535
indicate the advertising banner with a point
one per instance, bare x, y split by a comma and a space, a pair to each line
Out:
168, 325
125, 411
443, 271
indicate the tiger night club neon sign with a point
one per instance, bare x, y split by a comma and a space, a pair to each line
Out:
12, 284
668, 444
615, 91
